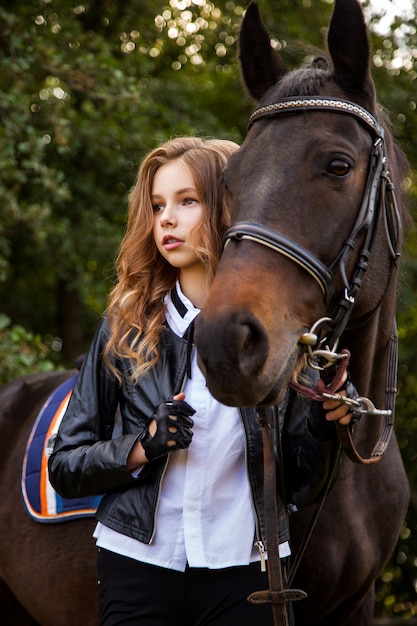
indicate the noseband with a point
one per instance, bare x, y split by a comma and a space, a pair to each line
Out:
378, 199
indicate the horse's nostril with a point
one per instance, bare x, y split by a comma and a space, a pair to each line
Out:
254, 347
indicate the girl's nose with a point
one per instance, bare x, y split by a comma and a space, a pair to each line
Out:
168, 216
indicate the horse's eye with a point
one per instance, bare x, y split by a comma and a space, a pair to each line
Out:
338, 168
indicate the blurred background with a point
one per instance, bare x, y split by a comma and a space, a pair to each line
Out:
85, 92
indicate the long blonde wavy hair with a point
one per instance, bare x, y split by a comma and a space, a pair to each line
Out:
135, 311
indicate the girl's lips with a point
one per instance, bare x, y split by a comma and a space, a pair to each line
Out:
171, 243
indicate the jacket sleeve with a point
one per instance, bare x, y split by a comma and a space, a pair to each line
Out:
86, 460
309, 448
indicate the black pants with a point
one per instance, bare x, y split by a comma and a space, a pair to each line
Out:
133, 593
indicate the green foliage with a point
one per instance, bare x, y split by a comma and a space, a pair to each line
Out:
85, 92
21, 352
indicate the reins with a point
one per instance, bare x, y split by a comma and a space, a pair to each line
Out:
378, 203
277, 594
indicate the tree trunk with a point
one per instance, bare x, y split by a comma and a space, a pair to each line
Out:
69, 323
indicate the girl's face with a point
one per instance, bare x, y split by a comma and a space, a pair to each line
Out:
177, 213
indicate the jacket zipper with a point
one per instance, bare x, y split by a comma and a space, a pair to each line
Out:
259, 544
157, 502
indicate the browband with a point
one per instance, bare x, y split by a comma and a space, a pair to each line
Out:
321, 104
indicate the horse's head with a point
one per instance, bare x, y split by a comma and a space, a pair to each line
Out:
308, 171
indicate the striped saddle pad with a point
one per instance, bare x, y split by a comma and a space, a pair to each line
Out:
41, 501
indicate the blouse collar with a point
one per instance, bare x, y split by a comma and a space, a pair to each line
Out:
180, 311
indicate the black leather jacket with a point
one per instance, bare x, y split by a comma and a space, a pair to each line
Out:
86, 460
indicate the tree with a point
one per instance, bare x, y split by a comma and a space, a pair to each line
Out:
84, 94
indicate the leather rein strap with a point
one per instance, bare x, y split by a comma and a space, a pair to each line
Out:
276, 594
345, 433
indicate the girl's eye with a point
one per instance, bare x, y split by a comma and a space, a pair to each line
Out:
189, 201
338, 168
157, 208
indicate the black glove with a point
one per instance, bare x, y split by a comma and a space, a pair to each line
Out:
173, 424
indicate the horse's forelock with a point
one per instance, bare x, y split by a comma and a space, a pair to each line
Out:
305, 81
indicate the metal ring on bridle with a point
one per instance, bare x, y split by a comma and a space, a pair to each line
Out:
326, 356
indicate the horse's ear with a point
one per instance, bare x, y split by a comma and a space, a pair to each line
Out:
261, 66
349, 48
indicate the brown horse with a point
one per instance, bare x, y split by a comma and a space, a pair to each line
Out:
316, 234
47, 571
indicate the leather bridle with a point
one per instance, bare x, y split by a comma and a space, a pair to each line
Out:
378, 202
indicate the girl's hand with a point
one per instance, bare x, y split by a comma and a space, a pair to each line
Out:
167, 430
336, 411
